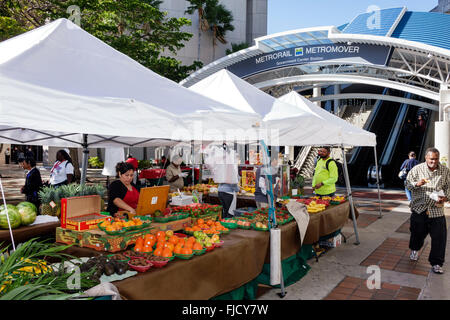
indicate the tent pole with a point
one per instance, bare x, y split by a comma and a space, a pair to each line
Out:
85, 159
350, 197
378, 180
193, 169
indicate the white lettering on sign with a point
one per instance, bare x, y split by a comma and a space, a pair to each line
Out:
332, 49
154, 200
273, 56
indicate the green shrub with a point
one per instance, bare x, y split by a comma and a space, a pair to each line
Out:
94, 162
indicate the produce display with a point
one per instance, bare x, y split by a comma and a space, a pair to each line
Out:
314, 207
51, 197
198, 209
229, 223
209, 227
339, 199
121, 225
169, 214
103, 265
206, 241
200, 188
140, 264
21, 215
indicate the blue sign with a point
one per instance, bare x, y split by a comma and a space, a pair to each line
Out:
332, 53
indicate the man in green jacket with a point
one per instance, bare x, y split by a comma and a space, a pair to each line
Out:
324, 180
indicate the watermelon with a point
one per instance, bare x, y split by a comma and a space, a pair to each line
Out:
10, 206
27, 215
27, 204
14, 217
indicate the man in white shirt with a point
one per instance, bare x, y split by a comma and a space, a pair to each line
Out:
62, 171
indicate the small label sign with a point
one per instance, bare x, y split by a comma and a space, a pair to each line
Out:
154, 200
52, 204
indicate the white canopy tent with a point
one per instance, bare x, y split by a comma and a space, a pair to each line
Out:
297, 123
61, 86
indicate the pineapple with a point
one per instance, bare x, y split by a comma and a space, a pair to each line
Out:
44, 195
57, 193
101, 190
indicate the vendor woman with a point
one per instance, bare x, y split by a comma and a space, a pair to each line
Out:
122, 194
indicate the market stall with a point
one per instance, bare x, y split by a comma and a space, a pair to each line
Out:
284, 118
239, 261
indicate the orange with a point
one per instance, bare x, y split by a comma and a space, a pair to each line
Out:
200, 221
167, 252
139, 242
169, 245
188, 245
197, 246
160, 245
191, 240
186, 251
177, 249
161, 239
147, 249
152, 242
160, 234
158, 252
196, 228
210, 222
173, 239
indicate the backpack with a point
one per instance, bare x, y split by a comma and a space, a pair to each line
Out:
340, 168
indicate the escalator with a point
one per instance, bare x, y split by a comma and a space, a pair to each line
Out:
381, 121
403, 137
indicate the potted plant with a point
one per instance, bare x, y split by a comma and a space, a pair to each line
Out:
297, 185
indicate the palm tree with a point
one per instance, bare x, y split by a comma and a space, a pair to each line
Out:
220, 19
199, 6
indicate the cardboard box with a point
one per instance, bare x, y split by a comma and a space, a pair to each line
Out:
171, 225
81, 213
332, 242
99, 240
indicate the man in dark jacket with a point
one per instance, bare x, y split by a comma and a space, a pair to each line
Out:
33, 181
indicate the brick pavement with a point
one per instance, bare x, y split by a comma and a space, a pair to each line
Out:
352, 288
393, 254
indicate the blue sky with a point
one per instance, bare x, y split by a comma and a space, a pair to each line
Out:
286, 15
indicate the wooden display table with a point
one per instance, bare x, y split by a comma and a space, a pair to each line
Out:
25, 233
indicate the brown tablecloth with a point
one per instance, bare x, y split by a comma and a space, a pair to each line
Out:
25, 233
237, 262
328, 221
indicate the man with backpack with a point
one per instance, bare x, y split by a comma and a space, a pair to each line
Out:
406, 166
326, 174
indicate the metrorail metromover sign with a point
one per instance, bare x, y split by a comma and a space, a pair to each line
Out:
338, 53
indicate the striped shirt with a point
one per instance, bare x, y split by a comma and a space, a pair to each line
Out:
439, 179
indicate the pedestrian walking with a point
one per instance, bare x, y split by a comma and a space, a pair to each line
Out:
429, 183
406, 167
